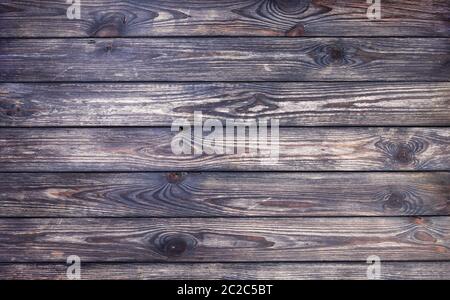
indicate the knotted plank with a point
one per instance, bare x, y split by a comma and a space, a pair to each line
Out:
140, 18
225, 240
150, 149
158, 104
214, 194
225, 59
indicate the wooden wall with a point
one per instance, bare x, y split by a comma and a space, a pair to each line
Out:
87, 169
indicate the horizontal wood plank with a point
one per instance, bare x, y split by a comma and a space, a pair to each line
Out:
150, 149
225, 59
158, 104
224, 194
224, 240
229, 271
103, 18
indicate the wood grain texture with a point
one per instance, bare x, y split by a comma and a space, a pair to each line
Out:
225, 59
149, 149
158, 104
224, 240
224, 194
229, 271
104, 18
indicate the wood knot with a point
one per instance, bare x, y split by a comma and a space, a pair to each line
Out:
403, 154
395, 201
290, 7
110, 25
175, 177
174, 244
108, 31
424, 236
336, 53
175, 247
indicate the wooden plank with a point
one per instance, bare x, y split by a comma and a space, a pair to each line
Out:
224, 240
229, 271
224, 194
149, 149
102, 18
225, 59
158, 104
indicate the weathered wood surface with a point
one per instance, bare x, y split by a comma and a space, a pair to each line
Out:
224, 194
102, 18
225, 59
149, 149
229, 271
224, 240
158, 104
166, 59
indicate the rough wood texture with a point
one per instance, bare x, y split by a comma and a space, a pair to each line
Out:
149, 149
224, 194
225, 59
225, 240
230, 271
130, 67
294, 104
101, 18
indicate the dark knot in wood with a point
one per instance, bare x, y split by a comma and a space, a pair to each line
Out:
174, 244
175, 247
404, 155
336, 53
289, 7
175, 177
333, 54
395, 201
